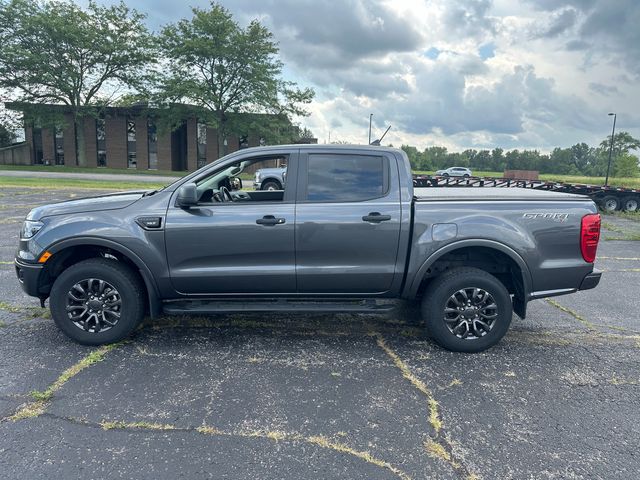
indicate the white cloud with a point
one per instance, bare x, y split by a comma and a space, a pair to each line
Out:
458, 73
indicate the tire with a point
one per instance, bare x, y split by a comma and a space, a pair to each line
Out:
444, 292
610, 203
119, 297
466, 175
445, 174
630, 204
271, 185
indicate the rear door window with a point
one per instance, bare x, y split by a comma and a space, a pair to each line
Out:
346, 178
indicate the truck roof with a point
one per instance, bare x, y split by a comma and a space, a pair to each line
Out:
315, 146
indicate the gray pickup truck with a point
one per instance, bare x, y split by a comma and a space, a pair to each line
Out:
348, 232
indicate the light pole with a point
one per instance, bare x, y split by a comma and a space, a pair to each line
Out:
613, 133
370, 116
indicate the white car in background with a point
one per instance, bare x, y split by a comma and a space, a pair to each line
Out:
454, 172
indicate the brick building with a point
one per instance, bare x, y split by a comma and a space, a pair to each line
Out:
127, 137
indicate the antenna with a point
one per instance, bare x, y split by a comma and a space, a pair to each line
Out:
377, 142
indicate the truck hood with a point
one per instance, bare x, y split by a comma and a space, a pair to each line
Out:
91, 204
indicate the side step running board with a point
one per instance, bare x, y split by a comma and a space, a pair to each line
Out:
190, 307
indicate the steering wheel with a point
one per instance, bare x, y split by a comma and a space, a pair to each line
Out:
225, 194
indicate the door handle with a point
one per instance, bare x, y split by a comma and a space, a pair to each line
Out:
375, 217
270, 220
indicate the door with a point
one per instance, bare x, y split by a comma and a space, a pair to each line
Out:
347, 222
244, 246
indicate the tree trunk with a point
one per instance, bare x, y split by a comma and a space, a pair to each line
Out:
222, 148
81, 153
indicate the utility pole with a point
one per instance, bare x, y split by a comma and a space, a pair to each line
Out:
613, 134
370, 116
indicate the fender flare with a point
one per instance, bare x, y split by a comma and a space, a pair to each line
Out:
155, 306
479, 242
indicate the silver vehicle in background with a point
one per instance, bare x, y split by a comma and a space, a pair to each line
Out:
455, 172
270, 178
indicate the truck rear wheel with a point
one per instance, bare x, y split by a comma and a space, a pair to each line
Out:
97, 301
467, 310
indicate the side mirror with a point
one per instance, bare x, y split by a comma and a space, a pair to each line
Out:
187, 196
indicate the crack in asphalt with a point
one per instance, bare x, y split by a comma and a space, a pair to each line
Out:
43, 399
439, 445
591, 326
271, 435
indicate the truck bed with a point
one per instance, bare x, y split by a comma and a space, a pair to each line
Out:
427, 194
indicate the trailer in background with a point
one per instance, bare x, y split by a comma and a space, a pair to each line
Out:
607, 198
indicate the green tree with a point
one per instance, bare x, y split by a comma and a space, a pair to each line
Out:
437, 157
559, 161
482, 160
8, 127
413, 155
623, 142
305, 133
225, 69
57, 52
497, 159
582, 157
626, 166
7, 137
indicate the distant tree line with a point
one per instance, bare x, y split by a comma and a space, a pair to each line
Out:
580, 159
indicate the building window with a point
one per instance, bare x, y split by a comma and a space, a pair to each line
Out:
201, 137
101, 143
38, 156
58, 140
244, 142
132, 161
152, 132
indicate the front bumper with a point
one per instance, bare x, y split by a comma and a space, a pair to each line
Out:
591, 280
29, 277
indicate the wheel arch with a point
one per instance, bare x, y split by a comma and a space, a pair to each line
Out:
483, 249
271, 179
71, 251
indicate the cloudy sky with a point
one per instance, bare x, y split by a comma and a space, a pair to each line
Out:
463, 74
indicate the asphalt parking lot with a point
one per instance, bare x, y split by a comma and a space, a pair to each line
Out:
324, 396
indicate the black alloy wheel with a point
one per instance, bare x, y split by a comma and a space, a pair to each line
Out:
466, 310
97, 301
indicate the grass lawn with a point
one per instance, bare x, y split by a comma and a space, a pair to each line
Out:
60, 168
67, 183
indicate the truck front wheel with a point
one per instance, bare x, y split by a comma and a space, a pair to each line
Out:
97, 301
467, 310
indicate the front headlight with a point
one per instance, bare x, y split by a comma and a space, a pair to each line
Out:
30, 228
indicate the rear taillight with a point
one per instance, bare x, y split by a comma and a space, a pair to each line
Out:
589, 236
